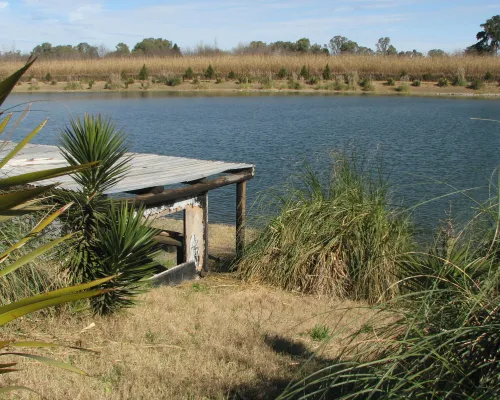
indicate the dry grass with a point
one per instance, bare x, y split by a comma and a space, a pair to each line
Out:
213, 339
379, 67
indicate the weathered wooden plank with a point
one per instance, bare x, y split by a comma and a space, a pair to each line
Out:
241, 196
195, 233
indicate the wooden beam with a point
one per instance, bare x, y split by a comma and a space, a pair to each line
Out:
195, 233
190, 191
241, 210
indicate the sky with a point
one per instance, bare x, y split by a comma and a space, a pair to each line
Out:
411, 24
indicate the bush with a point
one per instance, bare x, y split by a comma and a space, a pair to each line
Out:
209, 72
427, 77
460, 79
313, 80
143, 73
174, 81
440, 339
188, 74
367, 85
391, 82
54, 82
113, 238
352, 253
73, 85
266, 82
130, 81
91, 83
327, 75
403, 88
231, 75
477, 84
488, 76
416, 83
304, 73
282, 73
295, 85
443, 82
48, 77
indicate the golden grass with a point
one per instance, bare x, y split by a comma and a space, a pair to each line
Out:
216, 338
379, 67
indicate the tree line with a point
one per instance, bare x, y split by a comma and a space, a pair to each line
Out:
488, 42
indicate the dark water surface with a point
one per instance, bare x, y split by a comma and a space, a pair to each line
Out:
421, 139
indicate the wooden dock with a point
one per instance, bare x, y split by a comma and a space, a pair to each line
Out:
147, 183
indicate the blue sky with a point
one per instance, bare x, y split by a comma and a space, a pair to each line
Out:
411, 24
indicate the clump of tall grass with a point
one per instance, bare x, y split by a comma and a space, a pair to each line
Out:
460, 79
367, 85
477, 84
352, 79
403, 88
443, 338
73, 85
340, 237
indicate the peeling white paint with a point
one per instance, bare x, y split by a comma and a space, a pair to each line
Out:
171, 208
194, 250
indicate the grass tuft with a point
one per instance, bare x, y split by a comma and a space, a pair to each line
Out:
339, 238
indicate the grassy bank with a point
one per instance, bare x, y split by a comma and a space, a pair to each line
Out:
260, 66
489, 90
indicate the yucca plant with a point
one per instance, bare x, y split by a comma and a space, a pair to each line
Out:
112, 237
17, 200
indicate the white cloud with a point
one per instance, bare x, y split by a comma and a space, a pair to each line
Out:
4, 4
84, 12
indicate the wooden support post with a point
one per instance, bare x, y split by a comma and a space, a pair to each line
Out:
195, 232
241, 210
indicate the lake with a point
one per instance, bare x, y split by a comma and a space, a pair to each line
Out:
429, 146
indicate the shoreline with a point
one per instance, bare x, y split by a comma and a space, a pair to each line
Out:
427, 89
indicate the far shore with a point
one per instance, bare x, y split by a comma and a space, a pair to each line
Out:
428, 89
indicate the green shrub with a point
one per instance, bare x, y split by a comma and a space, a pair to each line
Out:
143, 73
91, 83
367, 85
282, 74
427, 77
53, 82
266, 82
209, 72
320, 333
304, 73
403, 88
352, 78
460, 79
352, 253
327, 75
196, 80
391, 82
313, 80
443, 82
244, 79
48, 77
488, 76
295, 85
188, 74
130, 81
174, 81
416, 83
73, 85
231, 75
477, 84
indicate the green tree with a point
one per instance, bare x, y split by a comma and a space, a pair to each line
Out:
327, 75
87, 50
336, 43
304, 72
122, 50
436, 53
391, 51
303, 45
209, 72
383, 45
488, 38
152, 46
143, 73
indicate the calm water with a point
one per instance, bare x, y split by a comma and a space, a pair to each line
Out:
422, 140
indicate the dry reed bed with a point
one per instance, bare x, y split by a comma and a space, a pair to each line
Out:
378, 67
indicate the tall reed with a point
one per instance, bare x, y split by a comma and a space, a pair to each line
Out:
258, 66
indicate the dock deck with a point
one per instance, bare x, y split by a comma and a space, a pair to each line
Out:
147, 183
